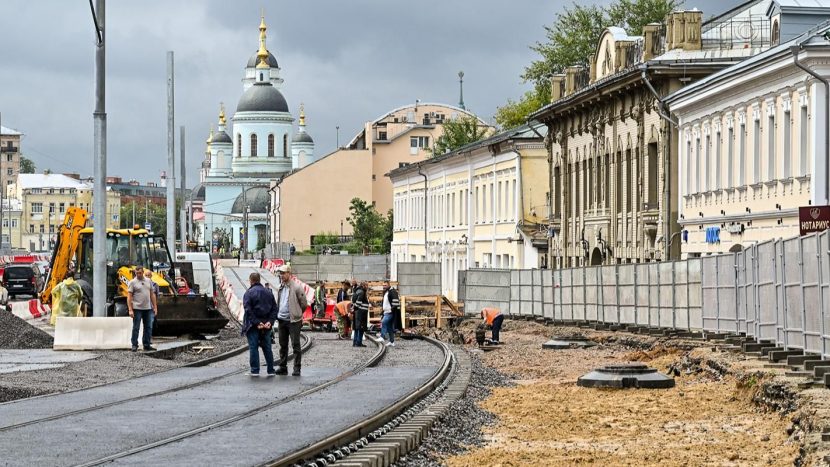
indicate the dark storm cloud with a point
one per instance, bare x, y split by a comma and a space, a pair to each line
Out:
348, 61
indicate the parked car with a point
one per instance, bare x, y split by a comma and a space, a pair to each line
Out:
22, 279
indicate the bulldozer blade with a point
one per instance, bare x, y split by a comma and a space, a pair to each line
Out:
187, 314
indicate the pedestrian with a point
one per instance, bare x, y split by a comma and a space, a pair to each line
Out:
343, 293
319, 304
341, 310
391, 302
291, 302
493, 318
360, 310
141, 303
260, 315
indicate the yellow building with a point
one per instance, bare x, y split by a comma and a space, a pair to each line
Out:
315, 199
44, 200
485, 206
11, 223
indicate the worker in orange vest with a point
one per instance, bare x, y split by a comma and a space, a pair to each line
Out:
341, 310
493, 318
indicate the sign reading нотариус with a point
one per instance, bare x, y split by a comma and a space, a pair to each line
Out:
813, 219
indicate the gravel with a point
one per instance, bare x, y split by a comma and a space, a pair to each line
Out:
413, 352
460, 428
16, 333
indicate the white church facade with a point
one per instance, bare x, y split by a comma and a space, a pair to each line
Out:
241, 160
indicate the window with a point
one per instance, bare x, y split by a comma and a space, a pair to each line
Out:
51, 229
688, 170
374, 177
416, 142
14, 223
478, 209
42, 229
31, 228
718, 144
36, 191
730, 163
9, 157
804, 124
697, 166
271, 145
499, 212
742, 157
787, 141
238, 145
756, 152
771, 169
253, 145
37, 208
61, 191
704, 165
62, 207
285, 146
10, 171
5, 223
51, 208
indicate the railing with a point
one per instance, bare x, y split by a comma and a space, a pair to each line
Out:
737, 33
9, 149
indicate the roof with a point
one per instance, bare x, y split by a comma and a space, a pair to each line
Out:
770, 54
221, 137
302, 137
262, 97
619, 34
256, 198
420, 104
272, 60
802, 5
25, 181
9, 132
521, 132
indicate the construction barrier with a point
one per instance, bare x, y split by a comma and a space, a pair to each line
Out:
777, 291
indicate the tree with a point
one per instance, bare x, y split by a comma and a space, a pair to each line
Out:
27, 166
571, 40
458, 132
371, 230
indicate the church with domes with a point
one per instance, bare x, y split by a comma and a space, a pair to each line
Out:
241, 159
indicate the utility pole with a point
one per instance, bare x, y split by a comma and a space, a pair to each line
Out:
171, 159
2, 195
99, 235
182, 206
133, 214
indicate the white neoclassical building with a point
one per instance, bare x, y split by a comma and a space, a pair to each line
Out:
753, 144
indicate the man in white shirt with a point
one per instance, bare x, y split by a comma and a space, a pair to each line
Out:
391, 301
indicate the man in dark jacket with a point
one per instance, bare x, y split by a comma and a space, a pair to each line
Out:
343, 293
360, 309
391, 303
260, 314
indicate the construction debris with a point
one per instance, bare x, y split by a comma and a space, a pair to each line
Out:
16, 333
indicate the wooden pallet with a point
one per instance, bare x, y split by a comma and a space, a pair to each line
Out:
431, 310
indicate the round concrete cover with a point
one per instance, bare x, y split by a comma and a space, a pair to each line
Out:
634, 375
571, 342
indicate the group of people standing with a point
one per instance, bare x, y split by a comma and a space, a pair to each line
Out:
352, 310
264, 312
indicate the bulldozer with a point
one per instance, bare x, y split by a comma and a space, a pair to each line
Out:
126, 249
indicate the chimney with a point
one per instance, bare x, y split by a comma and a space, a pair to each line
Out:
557, 87
684, 30
570, 79
651, 39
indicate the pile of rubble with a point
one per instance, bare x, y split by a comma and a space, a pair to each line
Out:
16, 333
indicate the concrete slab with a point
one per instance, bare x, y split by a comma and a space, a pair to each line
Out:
14, 360
778, 355
92, 333
798, 360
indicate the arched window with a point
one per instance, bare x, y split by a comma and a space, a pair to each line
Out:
238, 145
253, 145
271, 145
285, 145
261, 77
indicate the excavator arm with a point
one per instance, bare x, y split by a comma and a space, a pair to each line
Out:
65, 248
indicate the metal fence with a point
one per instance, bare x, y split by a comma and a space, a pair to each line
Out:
777, 291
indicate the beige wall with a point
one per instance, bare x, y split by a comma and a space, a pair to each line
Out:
9, 159
86, 200
315, 199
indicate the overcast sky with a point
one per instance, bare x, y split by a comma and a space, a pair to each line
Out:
349, 61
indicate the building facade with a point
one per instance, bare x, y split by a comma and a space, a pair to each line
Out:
485, 206
9, 155
612, 143
12, 213
323, 190
753, 146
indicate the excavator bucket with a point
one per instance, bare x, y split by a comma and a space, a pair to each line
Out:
187, 314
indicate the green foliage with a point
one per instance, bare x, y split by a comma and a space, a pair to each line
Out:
326, 238
372, 232
459, 132
27, 166
155, 214
572, 40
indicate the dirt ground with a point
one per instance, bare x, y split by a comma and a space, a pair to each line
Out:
711, 417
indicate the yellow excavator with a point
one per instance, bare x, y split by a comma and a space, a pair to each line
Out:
126, 249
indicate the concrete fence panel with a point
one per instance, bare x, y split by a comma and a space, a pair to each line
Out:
370, 267
547, 293
642, 290
627, 293
665, 273
487, 288
420, 278
823, 242
695, 294
610, 294
593, 293
793, 293
812, 312
654, 290
766, 268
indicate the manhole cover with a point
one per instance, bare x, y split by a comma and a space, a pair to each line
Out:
568, 342
633, 375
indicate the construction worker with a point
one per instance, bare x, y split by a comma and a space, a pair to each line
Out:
493, 318
319, 303
360, 310
341, 310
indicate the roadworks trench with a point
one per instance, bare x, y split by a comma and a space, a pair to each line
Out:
724, 410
